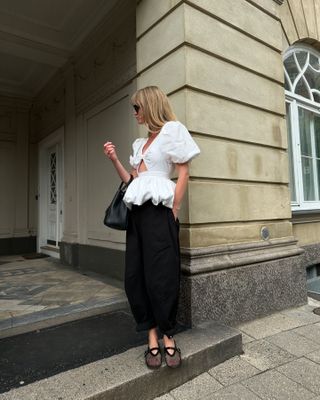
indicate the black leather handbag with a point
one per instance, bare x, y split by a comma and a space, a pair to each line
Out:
116, 216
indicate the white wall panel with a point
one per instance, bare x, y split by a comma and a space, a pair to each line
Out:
109, 124
7, 200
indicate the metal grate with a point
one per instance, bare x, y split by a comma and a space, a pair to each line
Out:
53, 178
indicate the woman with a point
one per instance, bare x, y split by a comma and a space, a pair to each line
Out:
152, 273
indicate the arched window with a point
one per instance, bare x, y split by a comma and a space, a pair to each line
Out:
302, 86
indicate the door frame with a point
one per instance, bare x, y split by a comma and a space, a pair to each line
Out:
56, 137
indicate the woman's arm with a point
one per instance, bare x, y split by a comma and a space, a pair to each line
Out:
110, 151
181, 186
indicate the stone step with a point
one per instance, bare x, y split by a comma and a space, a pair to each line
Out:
125, 376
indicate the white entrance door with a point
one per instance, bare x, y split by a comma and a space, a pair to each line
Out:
51, 195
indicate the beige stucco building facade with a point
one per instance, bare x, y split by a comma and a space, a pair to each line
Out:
244, 252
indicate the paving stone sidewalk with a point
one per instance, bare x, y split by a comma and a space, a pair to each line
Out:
281, 361
32, 290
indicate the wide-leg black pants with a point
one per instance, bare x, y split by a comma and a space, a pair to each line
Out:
152, 273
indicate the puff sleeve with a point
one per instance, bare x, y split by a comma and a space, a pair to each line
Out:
178, 143
135, 159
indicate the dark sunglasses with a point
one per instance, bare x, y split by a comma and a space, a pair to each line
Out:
136, 108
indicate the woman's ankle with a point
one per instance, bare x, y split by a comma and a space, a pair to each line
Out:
153, 338
168, 339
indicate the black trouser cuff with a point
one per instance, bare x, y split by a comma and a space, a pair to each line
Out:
145, 326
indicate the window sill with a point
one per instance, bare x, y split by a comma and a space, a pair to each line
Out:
305, 216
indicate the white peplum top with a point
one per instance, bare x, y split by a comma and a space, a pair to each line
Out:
172, 145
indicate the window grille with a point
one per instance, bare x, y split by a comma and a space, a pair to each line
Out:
53, 178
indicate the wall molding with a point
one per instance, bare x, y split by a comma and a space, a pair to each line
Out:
207, 259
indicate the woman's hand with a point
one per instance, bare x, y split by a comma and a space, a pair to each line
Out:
109, 150
175, 212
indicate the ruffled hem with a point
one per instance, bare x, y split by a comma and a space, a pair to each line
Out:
155, 188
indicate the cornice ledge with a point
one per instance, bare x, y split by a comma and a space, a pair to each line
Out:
14, 101
214, 258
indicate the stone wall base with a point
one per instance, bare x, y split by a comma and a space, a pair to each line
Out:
93, 258
311, 254
18, 245
243, 293
230, 295
311, 257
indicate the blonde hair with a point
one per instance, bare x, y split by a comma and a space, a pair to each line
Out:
155, 105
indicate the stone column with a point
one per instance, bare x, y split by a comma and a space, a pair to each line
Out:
70, 219
8, 139
21, 172
222, 68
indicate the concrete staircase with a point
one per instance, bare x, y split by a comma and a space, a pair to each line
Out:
125, 376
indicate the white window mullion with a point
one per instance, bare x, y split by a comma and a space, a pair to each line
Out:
297, 152
314, 160
291, 159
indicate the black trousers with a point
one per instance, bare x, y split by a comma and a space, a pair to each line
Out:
152, 274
